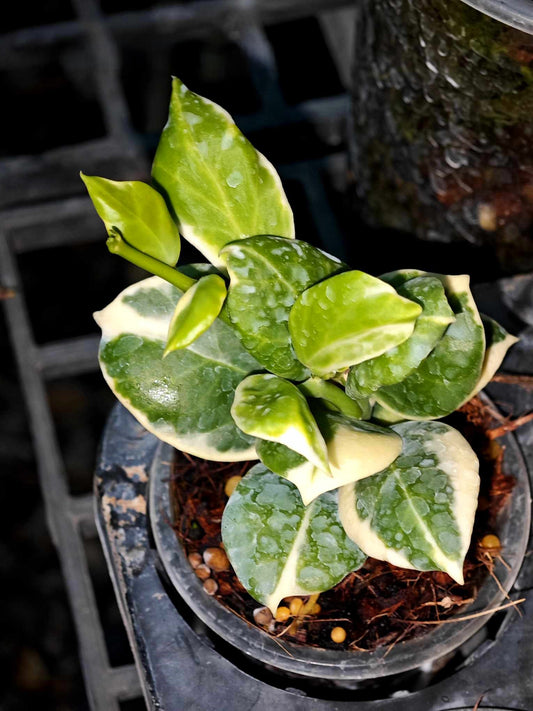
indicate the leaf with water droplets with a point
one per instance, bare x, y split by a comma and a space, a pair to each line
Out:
419, 512
347, 319
220, 188
185, 398
271, 408
277, 546
267, 275
355, 449
397, 363
446, 378
195, 312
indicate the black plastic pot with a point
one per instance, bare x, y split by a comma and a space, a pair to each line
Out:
341, 666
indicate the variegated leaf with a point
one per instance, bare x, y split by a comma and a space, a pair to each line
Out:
396, 364
445, 379
355, 450
184, 399
220, 187
277, 546
498, 343
419, 512
271, 408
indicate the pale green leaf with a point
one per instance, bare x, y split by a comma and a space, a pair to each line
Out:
220, 187
195, 312
184, 399
271, 408
445, 379
419, 512
277, 546
355, 450
140, 215
397, 363
267, 276
347, 319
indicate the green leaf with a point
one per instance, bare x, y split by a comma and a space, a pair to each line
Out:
334, 397
271, 408
355, 450
397, 363
220, 187
267, 276
347, 319
140, 215
384, 416
498, 343
184, 399
280, 459
280, 548
419, 512
195, 312
445, 379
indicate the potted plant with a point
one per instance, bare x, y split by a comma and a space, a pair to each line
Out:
336, 380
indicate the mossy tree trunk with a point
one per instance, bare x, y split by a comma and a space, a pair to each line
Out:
443, 125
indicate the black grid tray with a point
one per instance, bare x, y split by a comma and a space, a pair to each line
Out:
105, 72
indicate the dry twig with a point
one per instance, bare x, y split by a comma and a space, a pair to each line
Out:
509, 426
464, 618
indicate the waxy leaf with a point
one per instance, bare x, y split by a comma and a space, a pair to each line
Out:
498, 343
397, 363
446, 378
220, 187
355, 450
184, 399
419, 512
384, 416
267, 276
277, 546
271, 408
140, 215
347, 319
195, 312
335, 398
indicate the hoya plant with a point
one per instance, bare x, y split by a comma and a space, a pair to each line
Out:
333, 379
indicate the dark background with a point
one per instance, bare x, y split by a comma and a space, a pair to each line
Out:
75, 98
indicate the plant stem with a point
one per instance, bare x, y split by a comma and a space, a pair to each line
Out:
117, 245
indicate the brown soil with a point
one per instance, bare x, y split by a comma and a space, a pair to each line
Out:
378, 604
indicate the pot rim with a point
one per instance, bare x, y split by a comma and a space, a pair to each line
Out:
516, 13
341, 664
